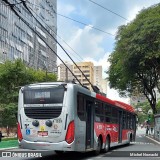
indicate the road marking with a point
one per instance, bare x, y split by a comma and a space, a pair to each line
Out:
153, 140
9, 148
110, 152
141, 143
99, 157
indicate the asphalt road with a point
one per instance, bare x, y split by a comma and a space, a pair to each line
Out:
136, 150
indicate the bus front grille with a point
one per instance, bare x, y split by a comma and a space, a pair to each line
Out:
42, 112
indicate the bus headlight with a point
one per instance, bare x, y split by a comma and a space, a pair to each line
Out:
49, 123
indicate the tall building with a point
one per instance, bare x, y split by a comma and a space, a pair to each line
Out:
17, 40
65, 74
98, 77
88, 69
104, 86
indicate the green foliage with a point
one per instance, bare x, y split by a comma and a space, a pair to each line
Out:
158, 107
8, 113
135, 60
9, 139
13, 75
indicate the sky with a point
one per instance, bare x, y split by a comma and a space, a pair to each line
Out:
82, 42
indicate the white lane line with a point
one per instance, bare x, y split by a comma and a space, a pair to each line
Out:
153, 140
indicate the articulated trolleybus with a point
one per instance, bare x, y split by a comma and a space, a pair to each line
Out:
68, 117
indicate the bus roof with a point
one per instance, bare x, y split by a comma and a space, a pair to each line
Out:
122, 105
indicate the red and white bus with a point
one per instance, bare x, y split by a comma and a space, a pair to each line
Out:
68, 117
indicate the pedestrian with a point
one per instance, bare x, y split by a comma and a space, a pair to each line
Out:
147, 129
151, 130
0, 136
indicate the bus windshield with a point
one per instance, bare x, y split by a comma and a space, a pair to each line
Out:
43, 95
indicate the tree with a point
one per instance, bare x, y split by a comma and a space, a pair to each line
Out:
158, 107
135, 62
13, 75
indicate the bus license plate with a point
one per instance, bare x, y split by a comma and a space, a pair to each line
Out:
42, 133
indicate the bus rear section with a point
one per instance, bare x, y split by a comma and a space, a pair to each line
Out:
43, 120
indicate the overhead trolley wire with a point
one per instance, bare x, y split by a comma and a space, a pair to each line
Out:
12, 8
108, 10
84, 24
56, 33
93, 87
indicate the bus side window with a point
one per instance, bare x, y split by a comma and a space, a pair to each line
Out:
99, 112
130, 121
124, 120
108, 113
114, 115
80, 107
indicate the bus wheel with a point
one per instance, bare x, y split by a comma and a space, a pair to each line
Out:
107, 145
130, 139
99, 145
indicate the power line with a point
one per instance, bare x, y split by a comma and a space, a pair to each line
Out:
12, 4
108, 10
28, 24
56, 33
85, 24
93, 87
12, 8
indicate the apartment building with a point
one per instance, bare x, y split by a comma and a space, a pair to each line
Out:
104, 86
65, 74
88, 69
98, 77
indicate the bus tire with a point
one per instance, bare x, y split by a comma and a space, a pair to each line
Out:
107, 145
130, 139
98, 148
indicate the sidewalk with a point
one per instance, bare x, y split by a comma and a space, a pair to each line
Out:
152, 138
142, 131
8, 144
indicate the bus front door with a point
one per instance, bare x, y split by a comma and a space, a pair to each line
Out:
89, 124
120, 122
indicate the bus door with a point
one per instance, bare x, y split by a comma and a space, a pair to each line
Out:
89, 124
120, 122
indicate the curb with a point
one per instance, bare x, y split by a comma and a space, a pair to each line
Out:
8, 148
153, 139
